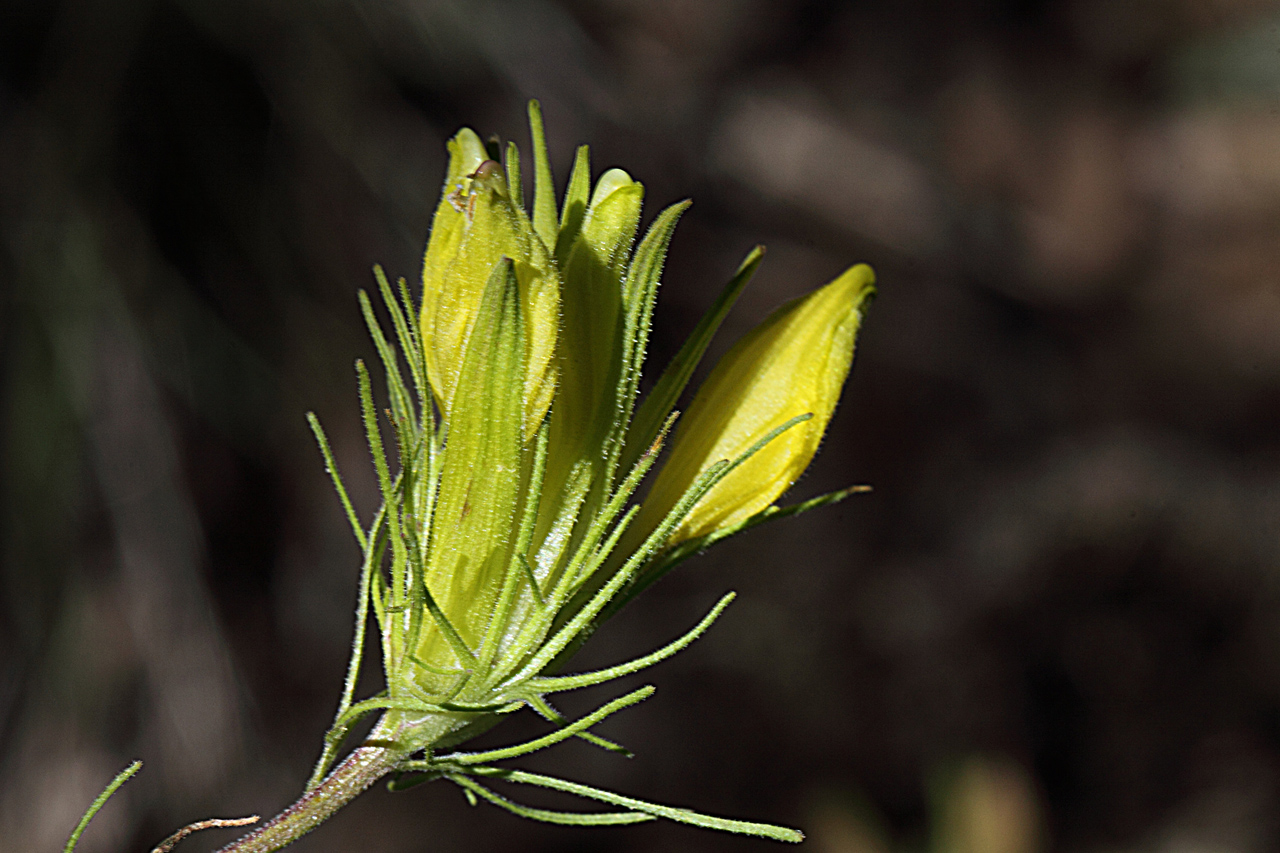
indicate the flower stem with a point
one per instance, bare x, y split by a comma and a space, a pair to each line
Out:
395, 737
362, 768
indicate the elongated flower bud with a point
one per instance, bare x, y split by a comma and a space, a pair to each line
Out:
476, 225
594, 274
793, 364
591, 353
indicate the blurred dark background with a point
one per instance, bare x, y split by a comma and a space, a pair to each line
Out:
1053, 626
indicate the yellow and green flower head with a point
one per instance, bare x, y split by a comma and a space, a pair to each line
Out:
515, 523
510, 450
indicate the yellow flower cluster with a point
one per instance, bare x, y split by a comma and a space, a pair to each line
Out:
513, 527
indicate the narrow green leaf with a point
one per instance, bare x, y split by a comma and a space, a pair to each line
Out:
561, 734
378, 598
396, 390
483, 708
687, 549
600, 555
558, 514
373, 549
741, 827
574, 207
639, 294
461, 674
544, 191
551, 715
332, 467
456, 643
374, 435
408, 340
563, 818
419, 357
532, 579
514, 185
587, 679
101, 800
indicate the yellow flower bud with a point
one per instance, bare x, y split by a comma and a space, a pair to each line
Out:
594, 274
794, 363
476, 225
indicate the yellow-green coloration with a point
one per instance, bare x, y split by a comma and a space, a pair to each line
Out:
476, 225
480, 479
512, 529
793, 364
595, 246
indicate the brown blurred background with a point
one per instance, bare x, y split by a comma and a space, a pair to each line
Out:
1053, 626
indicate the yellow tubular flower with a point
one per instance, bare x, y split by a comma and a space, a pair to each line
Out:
476, 225
794, 363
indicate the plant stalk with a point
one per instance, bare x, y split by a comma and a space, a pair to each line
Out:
393, 739
365, 765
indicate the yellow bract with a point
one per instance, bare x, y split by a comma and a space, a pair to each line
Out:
476, 225
594, 272
591, 348
794, 363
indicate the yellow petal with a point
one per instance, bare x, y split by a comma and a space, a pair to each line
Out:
590, 341
466, 153
476, 225
794, 363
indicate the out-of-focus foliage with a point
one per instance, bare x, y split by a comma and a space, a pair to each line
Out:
1068, 403
982, 804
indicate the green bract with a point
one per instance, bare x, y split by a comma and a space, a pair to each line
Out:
511, 529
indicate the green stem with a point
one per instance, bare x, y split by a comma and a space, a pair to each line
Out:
392, 740
362, 768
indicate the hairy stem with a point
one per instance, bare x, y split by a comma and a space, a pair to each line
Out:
393, 739
362, 768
